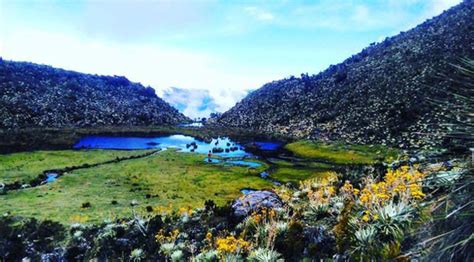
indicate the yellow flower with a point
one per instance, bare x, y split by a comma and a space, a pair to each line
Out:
231, 244
366, 218
209, 236
162, 237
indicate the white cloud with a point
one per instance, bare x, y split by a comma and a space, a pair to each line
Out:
195, 103
361, 14
259, 14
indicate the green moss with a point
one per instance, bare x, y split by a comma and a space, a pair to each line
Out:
169, 177
338, 153
296, 174
24, 167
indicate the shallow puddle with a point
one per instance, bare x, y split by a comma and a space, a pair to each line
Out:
51, 177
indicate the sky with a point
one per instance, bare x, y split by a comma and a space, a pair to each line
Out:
216, 51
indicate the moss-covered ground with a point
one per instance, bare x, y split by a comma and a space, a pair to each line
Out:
26, 166
166, 179
341, 154
296, 174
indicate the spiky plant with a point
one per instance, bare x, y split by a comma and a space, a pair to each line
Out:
451, 235
393, 220
459, 125
137, 255
265, 255
363, 242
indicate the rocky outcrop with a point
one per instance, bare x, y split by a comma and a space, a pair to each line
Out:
254, 201
384, 94
33, 95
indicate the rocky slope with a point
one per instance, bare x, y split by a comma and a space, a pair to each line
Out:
33, 95
381, 95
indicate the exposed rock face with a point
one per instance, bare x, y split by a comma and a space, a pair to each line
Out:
380, 95
34, 95
254, 201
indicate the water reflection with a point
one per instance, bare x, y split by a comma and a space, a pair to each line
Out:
223, 147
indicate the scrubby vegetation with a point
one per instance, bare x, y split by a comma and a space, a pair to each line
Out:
34, 95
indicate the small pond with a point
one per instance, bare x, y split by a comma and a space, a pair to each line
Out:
243, 163
212, 160
50, 177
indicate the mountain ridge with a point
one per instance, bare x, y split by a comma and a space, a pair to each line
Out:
34, 95
380, 95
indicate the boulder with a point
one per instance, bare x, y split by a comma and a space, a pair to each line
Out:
256, 200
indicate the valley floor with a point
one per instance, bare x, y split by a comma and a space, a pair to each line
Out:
164, 179
321, 199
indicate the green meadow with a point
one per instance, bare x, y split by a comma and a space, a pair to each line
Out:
164, 180
339, 153
26, 166
109, 191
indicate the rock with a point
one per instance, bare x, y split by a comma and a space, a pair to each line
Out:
56, 255
217, 150
255, 200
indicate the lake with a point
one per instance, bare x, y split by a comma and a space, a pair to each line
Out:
222, 146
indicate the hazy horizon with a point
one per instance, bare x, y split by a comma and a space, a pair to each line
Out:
217, 51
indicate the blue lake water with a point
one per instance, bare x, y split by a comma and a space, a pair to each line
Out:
181, 142
268, 146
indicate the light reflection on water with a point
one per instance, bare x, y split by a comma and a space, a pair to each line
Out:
183, 143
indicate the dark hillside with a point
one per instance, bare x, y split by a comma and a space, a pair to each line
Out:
33, 95
380, 95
